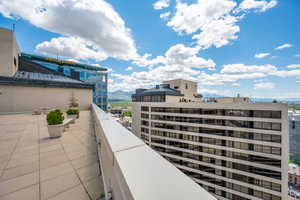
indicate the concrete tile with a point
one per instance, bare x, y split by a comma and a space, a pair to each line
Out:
22, 161
94, 187
18, 183
57, 185
46, 162
88, 172
19, 171
29, 193
55, 171
76, 193
84, 161
54, 153
54, 147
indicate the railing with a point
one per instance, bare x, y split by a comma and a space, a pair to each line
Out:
133, 171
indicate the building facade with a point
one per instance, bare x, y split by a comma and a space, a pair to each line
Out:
236, 150
294, 129
86, 73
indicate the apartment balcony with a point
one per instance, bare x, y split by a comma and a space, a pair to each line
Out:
96, 158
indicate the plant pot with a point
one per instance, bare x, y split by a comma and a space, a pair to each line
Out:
72, 117
55, 130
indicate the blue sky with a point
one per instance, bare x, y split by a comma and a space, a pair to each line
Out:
251, 47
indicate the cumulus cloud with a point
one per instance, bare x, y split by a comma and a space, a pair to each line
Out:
284, 46
264, 85
130, 68
178, 55
213, 22
257, 5
165, 15
212, 18
297, 55
294, 66
161, 4
93, 24
242, 68
235, 84
261, 55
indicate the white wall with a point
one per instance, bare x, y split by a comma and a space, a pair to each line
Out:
19, 99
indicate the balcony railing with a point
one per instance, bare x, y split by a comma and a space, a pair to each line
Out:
133, 171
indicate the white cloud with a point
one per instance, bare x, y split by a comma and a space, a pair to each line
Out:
241, 68
284, 46
70, 47
264, 85
93, 24
235, 84
161, 4
286, 73
178, 55
130, 68
297, 55
261, 55
218, 33
294, 66
212, 18
220, 79
165, 15
257, 5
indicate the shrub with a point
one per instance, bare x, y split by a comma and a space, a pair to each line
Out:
73, 112
55, 117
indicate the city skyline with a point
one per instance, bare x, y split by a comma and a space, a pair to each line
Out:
228, 47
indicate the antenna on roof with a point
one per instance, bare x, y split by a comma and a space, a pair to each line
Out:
14, 28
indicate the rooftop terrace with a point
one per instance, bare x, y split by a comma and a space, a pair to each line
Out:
34, 167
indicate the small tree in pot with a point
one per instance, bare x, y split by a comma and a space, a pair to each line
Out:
73, 114
55, 120
73, 111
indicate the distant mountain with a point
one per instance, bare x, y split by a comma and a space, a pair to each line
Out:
119, 95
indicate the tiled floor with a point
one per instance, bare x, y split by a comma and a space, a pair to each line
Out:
34, 167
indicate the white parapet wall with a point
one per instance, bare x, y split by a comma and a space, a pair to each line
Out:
133, 171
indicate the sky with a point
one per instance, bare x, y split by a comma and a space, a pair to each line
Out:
229, 47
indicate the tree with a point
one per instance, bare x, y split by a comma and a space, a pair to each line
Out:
73, 101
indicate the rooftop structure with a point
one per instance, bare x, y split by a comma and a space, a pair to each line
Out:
170, 91
17, 65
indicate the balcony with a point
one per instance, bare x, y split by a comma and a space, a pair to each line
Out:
35, 167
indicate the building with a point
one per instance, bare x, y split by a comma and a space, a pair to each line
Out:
233, 148
86, 73
24, 83
10, 56
294, 174
294, 129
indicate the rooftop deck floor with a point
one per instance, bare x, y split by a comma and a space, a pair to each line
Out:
34, 167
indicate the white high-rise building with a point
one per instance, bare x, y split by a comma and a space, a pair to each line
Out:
234, 148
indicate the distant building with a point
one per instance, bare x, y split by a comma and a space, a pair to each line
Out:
294, 129
294, 174
232, 147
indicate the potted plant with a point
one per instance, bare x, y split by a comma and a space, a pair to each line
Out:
55, 120
73, 113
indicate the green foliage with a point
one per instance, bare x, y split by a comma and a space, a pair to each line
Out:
55, 117
123, 104
73, 112
127, 113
